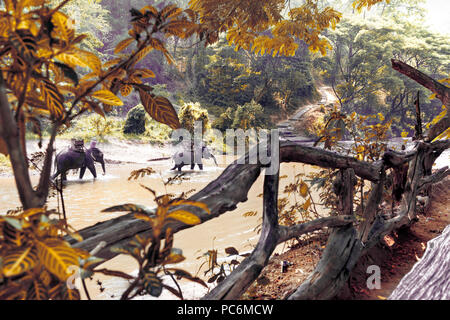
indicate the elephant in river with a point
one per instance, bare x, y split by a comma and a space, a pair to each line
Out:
77, 157
189, 157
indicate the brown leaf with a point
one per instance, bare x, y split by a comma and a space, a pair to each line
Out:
160, 109
231, 251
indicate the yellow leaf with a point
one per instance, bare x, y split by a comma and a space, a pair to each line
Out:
31, 212
107, 97
303, 189
141, 54
90, 59
111, 62
404, 134
184, 216
122, 45
174, 258
53, 98
198, 204
57, 257
143, 216
307, 204
19, 261
71, 60
360, 149
125, 90
160, 109
62, 29
144, 73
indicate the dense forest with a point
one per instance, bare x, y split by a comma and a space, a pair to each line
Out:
140, 72
356, 64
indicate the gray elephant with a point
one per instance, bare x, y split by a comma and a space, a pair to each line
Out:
77, 157
189, 157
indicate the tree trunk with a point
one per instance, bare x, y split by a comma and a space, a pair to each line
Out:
429, 279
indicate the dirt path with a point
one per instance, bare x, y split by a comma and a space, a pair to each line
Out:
288, 129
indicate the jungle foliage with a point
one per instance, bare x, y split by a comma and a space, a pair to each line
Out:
51, 73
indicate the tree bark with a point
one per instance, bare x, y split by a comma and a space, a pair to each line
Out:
249, 269
429, 279
9, 131
442, 92
12, 137
331, 273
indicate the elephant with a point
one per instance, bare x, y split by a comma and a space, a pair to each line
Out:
186, 157
77, 157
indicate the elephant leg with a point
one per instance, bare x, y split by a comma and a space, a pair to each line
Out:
200, 166
93, 171
192, 166
64, 176
82, 171
179, 167
56, 174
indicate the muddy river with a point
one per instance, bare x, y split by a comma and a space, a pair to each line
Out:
84, 200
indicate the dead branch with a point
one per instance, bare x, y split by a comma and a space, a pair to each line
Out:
221, 195
248, 270
442, 93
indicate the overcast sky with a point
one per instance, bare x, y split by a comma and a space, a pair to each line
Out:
439, 15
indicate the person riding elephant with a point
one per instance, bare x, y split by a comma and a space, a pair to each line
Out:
192, 156
77, 157
96, 155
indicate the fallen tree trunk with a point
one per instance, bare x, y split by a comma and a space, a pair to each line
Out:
345, 246
221, 195
249, 269
429, 279
346, 243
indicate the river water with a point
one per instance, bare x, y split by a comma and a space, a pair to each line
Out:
84, 200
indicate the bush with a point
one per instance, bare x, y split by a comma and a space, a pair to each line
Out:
135, 122
248, 116
192, 112
225, 120
90, 127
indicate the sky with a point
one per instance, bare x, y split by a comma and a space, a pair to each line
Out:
439, 15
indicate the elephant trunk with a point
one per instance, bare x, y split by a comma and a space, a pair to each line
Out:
214, 158
102, 161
